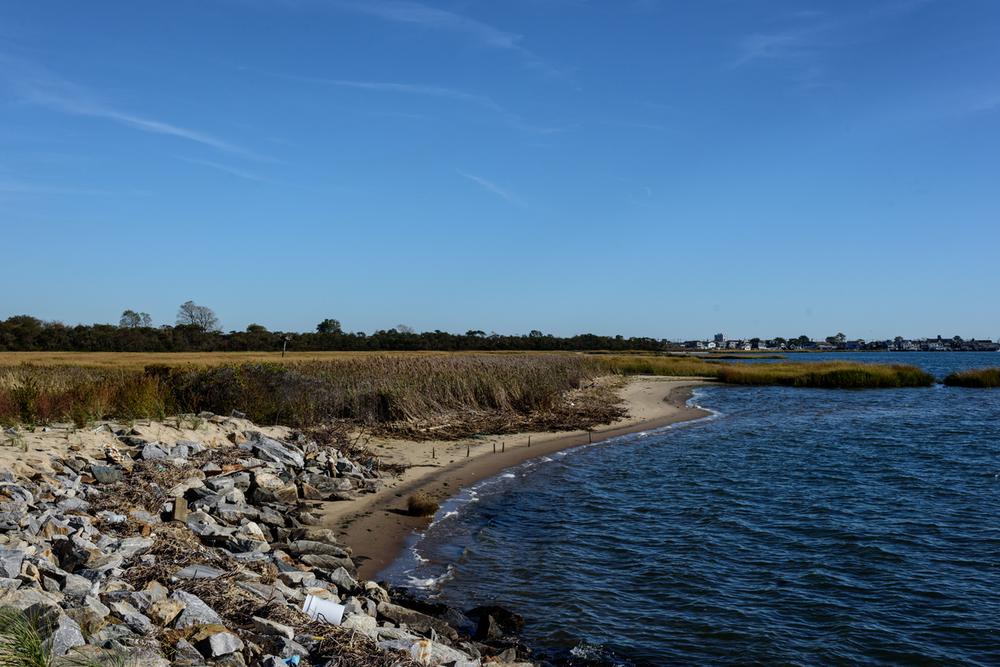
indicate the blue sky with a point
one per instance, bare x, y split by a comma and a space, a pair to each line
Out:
647, 167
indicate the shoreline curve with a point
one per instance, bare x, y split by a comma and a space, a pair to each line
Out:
377, 528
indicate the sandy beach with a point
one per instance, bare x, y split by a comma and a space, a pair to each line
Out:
376, 526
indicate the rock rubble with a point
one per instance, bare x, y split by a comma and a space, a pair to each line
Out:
194, 554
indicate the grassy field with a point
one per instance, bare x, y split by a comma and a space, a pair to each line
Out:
981, 378
139, 360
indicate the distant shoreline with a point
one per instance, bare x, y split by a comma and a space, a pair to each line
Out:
376, 527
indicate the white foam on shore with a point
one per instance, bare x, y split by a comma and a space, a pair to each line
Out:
431, 583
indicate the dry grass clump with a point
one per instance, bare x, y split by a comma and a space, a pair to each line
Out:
980, 378
421, 504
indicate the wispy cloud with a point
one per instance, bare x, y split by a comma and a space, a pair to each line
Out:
232, 171
764, 46
406, 89
17, 187
490, 186
441, 92
35, 85
813, 30
427, 17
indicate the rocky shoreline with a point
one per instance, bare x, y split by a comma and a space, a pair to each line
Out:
206, 553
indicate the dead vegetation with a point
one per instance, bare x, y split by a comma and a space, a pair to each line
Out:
421, 504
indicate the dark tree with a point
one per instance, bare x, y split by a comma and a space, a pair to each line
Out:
329, 326
202, 317
133, 320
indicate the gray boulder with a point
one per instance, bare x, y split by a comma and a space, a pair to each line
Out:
199, 572
268, 627
153, 451
270, 449
106, 474
430, 653
215, 644
303, 547
10, 562
196, 612
344, 581
415, 620
60, 633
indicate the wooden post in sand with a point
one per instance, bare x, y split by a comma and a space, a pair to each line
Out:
503, 446
529, 441
494, 448
468, 450
590, 435
433, 453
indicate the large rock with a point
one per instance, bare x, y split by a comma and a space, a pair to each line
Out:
59, 632
163, 612
75, 553
106, 474
196, 612
303, 547
153, 451
199, 572
327, 486
133, 618
215, 641
270, 449
362, 623
414, 620
344, 581
16, 493
269, 487
325, 562
268, 627
494, 622
430, 654
10, 562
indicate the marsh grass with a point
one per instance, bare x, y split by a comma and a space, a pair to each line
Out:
32, 394
980, 378
495, 389
829, 375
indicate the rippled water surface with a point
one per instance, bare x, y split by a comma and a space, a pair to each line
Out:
797, 526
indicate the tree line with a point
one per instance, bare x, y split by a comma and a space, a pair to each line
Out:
197, 330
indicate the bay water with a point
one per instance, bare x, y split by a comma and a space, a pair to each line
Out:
793, 526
